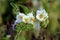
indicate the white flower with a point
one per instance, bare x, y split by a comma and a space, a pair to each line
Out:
20, 17
31, 18
25, 19
41, 15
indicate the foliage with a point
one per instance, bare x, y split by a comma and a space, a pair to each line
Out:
45, 23
24, 26
26, 10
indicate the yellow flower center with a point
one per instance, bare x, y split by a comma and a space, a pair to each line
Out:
26, 20
41, 16
33, 19
21, 17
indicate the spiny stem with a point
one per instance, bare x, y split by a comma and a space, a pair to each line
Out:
18, 34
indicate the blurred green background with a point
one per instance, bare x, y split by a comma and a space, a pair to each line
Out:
7, 17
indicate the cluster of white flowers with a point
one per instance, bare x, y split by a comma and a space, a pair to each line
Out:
41, 15
21, 17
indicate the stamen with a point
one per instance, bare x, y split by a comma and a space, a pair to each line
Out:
41, 16
21, 17
26, 20
33, 19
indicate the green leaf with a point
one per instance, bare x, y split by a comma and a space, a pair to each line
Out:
26, 10
45, 23
15, 7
